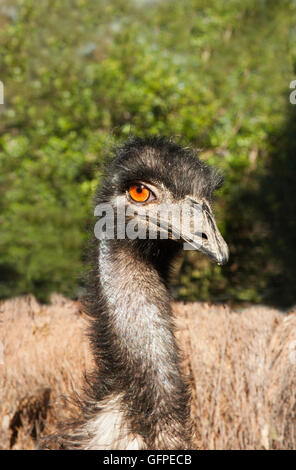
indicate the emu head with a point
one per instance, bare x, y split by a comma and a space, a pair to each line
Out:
166, 191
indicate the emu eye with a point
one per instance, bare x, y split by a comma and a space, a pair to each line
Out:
139, 193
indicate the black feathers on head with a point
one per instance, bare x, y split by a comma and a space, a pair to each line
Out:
159, 160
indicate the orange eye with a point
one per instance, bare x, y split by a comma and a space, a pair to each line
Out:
139, 192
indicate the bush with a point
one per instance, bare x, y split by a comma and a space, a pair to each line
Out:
79, 75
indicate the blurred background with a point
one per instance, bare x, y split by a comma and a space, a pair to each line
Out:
81, 75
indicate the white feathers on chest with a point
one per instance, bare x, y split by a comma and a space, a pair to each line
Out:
109, 430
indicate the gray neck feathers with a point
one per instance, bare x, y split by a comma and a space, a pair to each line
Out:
139, 309
144, 353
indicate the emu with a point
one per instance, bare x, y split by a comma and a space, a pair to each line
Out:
137, 397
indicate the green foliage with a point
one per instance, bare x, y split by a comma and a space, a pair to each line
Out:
79, 75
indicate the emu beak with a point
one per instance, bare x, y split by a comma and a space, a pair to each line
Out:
191, 222
205, 235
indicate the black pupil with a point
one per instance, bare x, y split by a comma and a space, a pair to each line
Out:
139, 189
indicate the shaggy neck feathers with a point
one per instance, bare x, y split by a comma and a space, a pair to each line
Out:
134, 342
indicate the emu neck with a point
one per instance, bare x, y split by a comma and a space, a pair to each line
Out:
138, 306
140, 358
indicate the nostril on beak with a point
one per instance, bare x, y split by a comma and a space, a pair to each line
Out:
202, 235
